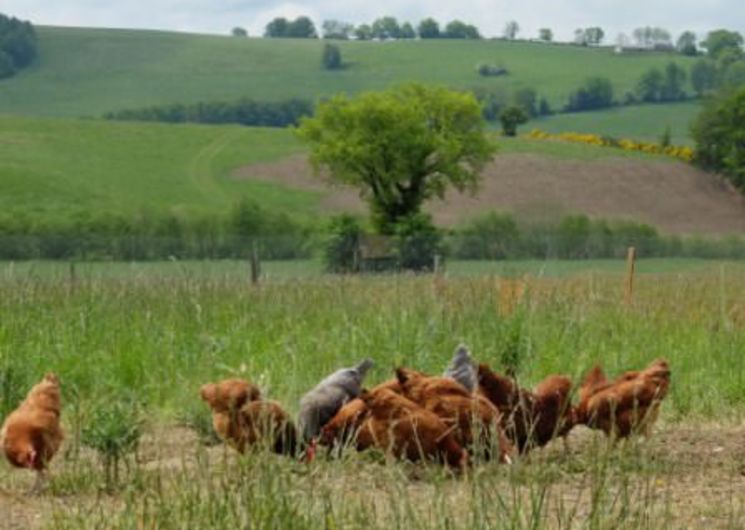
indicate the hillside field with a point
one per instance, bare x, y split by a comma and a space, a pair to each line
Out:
639, 122
61, 169
87, 72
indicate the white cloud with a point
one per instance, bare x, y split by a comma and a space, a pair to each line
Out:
218, 16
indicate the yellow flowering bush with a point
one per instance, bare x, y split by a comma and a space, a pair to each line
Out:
680, 152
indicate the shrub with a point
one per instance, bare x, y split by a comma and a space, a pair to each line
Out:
342, 244
492, 236
544, 109
490, 70
596, 93
113, 429
331, 58
683, 153
417, 241
492, 102
511, 118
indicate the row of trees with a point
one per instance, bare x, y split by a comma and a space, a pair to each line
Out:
300, 28
18, 46
155, 235
243, 111
382, 28
495, 236
662, 85
413, 245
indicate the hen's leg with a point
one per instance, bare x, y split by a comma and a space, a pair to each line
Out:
38, 483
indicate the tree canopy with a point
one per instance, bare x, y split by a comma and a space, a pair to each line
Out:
719, 41
17, 45
429, 29
400, 147
457, 29
719, 133
300, 28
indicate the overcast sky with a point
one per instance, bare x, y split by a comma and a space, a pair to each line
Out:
490, 16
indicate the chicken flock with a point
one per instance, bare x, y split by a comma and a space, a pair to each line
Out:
468, 411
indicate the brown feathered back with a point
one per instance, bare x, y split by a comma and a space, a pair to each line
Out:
31, 435
230, 394
629, 403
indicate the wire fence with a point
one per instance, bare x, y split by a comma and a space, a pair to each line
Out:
369, 248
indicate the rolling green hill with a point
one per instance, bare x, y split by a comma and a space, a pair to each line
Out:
61, 167
86, 72
643, 122
55, 170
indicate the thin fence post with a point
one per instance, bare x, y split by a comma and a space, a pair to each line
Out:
630, 269
437, 265
255, 263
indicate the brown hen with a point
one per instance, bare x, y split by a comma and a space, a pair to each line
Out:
530, 419
626, 405
31, 435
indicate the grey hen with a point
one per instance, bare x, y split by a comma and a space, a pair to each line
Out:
319, 405
462, 369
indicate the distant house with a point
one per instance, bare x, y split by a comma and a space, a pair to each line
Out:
626, 49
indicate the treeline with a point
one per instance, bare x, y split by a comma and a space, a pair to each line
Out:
244, 111
157, 236
494, 236
382, 28
17, 45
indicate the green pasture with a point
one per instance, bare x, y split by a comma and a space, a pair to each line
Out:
639, 122
87, 72
60, 168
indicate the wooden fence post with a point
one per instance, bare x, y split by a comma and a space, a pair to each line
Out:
630, 268
255, 263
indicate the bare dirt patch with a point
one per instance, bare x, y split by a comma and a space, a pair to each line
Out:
674, 197
697, 468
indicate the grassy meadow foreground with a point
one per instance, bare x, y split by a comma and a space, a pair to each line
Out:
151, 338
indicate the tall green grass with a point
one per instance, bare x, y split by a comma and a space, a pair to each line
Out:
159, 337
163, 335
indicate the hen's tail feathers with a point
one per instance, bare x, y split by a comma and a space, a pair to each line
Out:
594, 377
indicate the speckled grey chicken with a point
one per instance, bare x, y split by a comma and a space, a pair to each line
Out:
319, 405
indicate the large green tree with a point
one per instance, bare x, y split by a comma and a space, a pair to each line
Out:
719, 133
386, 28
721, 40
703, 76
429, 29
400, 147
